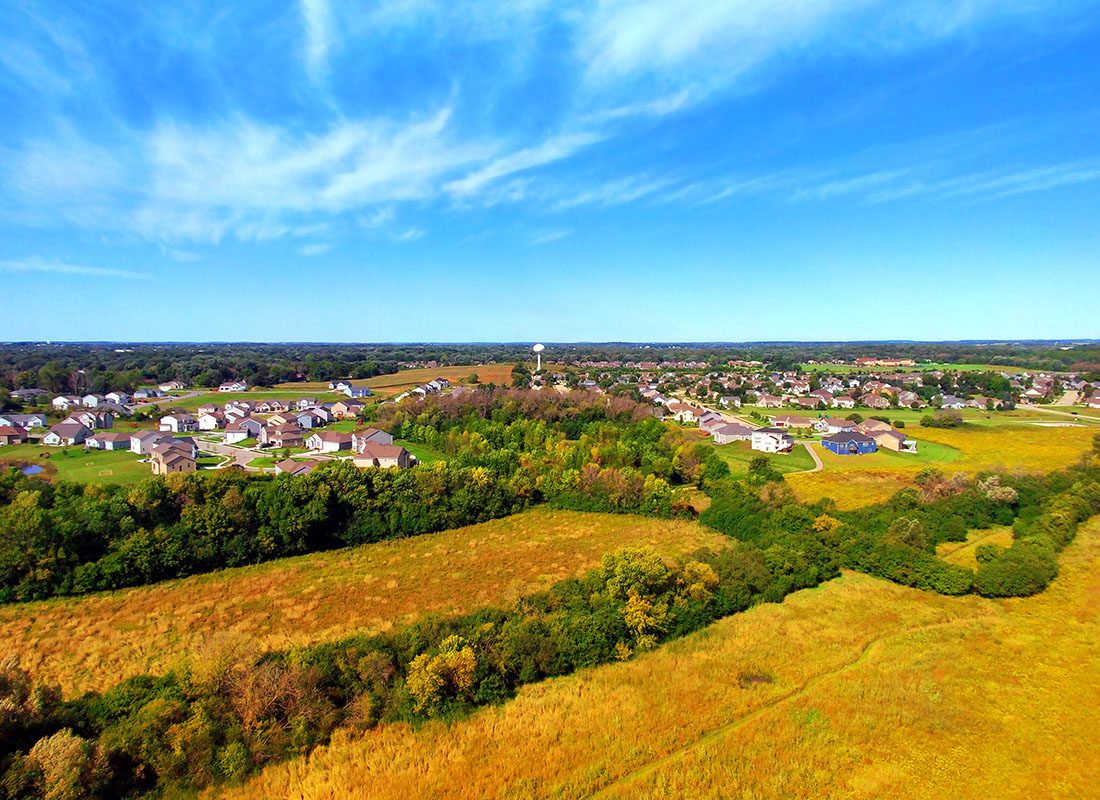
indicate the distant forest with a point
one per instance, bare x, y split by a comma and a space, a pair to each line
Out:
99, 367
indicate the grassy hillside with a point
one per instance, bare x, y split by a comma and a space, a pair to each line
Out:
856, 689
92, 642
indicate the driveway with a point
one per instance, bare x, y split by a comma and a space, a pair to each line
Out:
812, 450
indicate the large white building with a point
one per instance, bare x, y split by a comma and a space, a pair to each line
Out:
772, 440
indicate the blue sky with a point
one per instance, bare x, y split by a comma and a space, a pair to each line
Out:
411, 170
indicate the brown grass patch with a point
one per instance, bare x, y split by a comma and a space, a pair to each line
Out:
876, 691
92, 642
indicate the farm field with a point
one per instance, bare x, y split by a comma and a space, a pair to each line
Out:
92, 642
852, 482
738, 455
857, 689
78, 464
407, 378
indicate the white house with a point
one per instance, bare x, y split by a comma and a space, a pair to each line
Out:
117, 397
64, 402
178, 423
329, 441
242, 429
357, 391
772, 440
211, 421
233, 386
92, 419
66, 433
360, 439
23, 420
844, 401
108, 441
732, 432
171, 386
831, 425
91, 400
148, 394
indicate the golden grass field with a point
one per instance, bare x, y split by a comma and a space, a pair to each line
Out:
386, 385
965, 553
876, 690
92, 642
1030, 448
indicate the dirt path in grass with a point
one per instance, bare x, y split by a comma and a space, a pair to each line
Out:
818, 466
1048, 410
861, 658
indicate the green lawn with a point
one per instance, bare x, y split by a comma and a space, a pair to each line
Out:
78, 464
927, 453
739, 454
423, 453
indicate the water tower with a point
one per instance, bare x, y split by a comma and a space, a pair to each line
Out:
538, 348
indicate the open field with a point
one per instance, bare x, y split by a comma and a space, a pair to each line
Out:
92, 642
853, 482
857, 689
739, 454
964, 553
78, 464
387, 385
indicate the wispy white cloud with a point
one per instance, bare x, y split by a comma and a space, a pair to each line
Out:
547, 152
314, 249
546, 237
318, 19
38, 265
858, 184
409, 235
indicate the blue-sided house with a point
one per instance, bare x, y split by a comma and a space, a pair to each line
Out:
849, 444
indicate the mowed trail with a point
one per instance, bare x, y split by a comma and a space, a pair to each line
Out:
875, 691
93, 642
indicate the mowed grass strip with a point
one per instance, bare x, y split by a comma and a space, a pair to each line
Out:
854, 481
92, 642
856, 689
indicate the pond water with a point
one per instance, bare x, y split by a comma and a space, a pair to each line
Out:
32, 469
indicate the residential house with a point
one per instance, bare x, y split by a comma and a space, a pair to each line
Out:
844, 401
772, 440
1094, 401
831, 425
295, 468
307, 420
108, 441
66, 433
874, 401
233, 386
283, 418
824, 395
339, 386
383, 455
211, 421
684, 413
178, 423
731, 432
28, 395
894, 440
951, 402
369, 436
329, 441
172, 386
241, 429
346, 409
849, 443
356, 391
91, 400
909, 399
13, 434
167, 459
144, 442
769, 401
271, 406
323, 413
208, 408
710, 420
24, 420
725, 401
873, 426
93, 419
304, 403
148, 394
64, 402
790, 421
810, 403
281, 436
117, 397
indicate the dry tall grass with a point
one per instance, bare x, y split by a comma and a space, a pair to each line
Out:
92, 642
1029, 449
857, 689
965, 553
